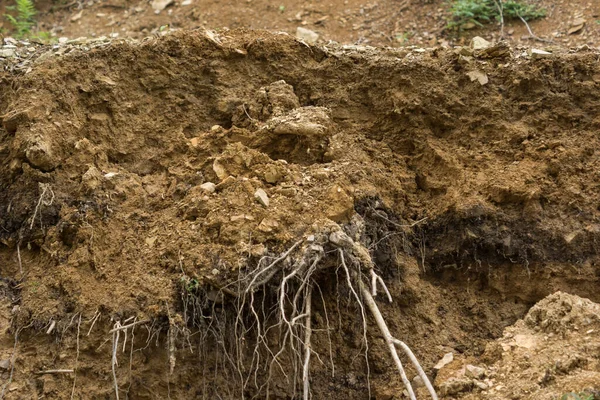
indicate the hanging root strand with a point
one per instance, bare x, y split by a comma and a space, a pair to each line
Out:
295, 270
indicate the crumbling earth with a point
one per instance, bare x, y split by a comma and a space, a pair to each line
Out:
158, 197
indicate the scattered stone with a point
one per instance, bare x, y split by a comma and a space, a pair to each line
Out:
456, 385
479, 43
261, 196
480, 385
159, 5
287, 191
208, 187
576, 25
273, 174
474, 371
92, 179
40, 156
447, 359
220, 170
479, 76
5, 364
306, 35
526, 341
417, 382
537, 53
77, 16
8, 51
186, 2
216, 128
268, 225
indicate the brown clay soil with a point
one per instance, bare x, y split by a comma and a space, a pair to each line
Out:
173, 183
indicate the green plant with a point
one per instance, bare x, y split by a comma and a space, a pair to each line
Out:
514, 9
25, 17
480, 12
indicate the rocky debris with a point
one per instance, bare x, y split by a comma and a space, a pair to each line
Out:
159, 5
576, 25
220, 170
562, 312
208, 187
8, 51
40, 156
92, 179
305, 121
454, 386
537, 53
479, 43
261, 196
473, 371
447, 359
478, 76
5, 364
306, 35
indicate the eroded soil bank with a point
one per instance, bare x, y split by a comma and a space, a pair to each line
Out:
148, 183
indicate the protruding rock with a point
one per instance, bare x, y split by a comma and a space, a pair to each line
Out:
220, 170
40, 156
537, 53
447, 359
208, 187
479, 43
307, 35
456, 385
474, 371
261, 196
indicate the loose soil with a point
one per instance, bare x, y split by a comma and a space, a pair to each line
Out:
378, 23
474, 202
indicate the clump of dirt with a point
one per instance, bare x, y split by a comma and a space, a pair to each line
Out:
551, 352
175, 186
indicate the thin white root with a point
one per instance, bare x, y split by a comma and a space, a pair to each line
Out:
376, 278
389, 339
56, 371
124, 327
307, 344
94, 319
277, 260
45, 187
417, 366
114, 363
19, 257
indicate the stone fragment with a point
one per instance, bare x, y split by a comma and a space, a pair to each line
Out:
307, 35
456, 385
474, 371
479, 43
220, 170
479, 76
261, 196
159, 5
537, 53
208, 187
447, 359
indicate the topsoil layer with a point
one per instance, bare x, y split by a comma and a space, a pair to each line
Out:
145, 181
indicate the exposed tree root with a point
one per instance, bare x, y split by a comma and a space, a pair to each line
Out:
297, 268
